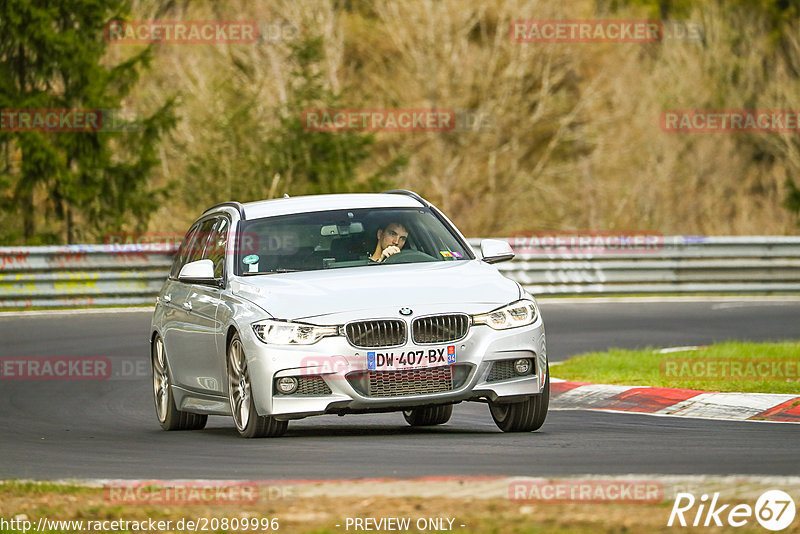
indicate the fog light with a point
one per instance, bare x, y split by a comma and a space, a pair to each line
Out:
287, 385
523, 366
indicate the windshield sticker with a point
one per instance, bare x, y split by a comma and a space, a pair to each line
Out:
446, 253
457, 255
252, 268
252, 258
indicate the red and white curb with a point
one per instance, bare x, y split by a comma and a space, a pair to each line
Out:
567, 395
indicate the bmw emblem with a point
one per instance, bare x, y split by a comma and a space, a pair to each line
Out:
406, 311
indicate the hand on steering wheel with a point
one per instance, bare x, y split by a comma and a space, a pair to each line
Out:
388, 251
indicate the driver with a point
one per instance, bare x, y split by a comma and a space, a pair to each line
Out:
391, 239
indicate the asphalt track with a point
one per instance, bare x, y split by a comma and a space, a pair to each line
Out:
107, 429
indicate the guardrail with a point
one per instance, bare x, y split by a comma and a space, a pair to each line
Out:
674, 265
101, 275
82, 275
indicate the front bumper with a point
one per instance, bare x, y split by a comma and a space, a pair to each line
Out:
338, 364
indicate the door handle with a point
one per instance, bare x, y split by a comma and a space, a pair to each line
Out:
187, 306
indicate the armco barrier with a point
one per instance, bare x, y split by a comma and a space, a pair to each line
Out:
99, 275
681, 265
82, 275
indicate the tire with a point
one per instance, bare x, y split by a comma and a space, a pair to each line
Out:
169, 417
428, 415
243, 408
525, 416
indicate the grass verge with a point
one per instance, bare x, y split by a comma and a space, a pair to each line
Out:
326, 510
731, 366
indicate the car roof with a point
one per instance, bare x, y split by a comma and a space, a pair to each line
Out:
303, 204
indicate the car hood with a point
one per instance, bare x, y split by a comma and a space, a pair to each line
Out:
377, 290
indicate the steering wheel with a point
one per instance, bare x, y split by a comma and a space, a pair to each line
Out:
409, 256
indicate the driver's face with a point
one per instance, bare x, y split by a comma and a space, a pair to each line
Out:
394, 234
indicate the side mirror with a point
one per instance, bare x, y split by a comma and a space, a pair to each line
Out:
496, 250
198, 272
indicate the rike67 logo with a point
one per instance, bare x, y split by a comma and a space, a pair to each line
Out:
774, 510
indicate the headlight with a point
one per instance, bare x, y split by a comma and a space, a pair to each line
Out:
519, 313
288, 333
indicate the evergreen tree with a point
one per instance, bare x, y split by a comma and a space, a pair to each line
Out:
320, 162
250, 153
80, 184
792, 202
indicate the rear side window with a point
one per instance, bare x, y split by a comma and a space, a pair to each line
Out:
180, 257
215, 248
193, 245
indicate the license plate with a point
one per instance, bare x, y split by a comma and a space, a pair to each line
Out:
411, 359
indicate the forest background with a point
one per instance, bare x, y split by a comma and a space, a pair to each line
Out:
551, 136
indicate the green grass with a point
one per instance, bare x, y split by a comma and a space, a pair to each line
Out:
731, 366
18, 487
318, 514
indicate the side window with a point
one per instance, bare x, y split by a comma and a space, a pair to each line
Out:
192, 247
199, 244
180, 257
215, 248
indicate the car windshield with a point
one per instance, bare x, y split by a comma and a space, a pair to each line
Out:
344, 238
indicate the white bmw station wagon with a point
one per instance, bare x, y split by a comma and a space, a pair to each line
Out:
342, 304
